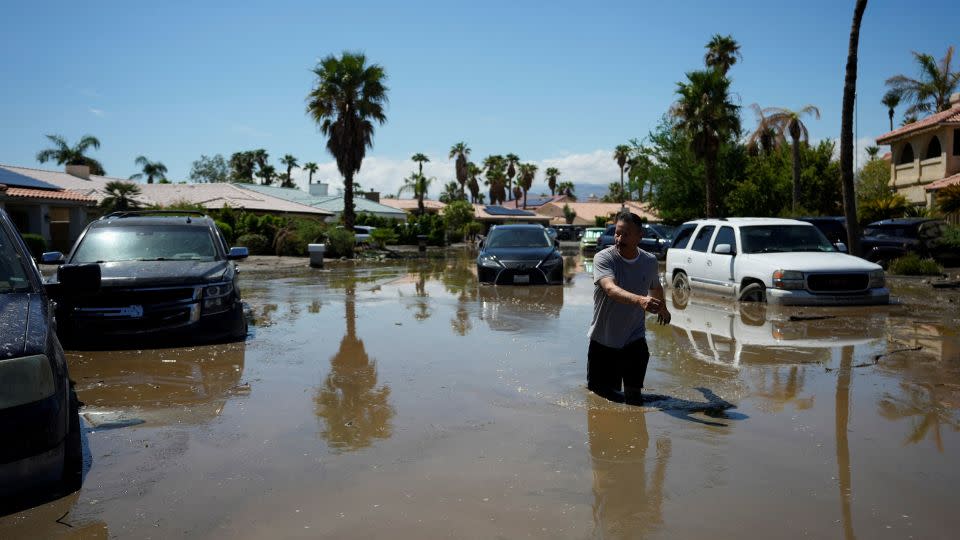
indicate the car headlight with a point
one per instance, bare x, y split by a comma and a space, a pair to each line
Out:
489, 261
216, 298
25, 380
551, 261
788, 279
877, 279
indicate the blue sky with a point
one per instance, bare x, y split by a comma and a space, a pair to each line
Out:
558, 83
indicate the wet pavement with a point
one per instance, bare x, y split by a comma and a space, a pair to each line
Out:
403, 399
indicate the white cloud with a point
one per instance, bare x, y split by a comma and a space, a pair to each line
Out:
95, 111
386, 174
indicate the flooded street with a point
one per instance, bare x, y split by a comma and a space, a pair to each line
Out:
402, 399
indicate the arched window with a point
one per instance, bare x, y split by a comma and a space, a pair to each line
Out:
933, 149
906, 155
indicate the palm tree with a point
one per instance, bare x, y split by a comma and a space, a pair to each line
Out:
241, 167
872, 151
451, 192
722, 53
347, 99
496, 177
260, 157
784, 122
512, 161
766, 138
418, 184
890, 100
706, 115
311, 168
621, 154
931, 92
120, 196
461, 152
846, 132
151, 170
566, 188
528, 172
65, 154
266, 174
552, 173
290, 163
472, 184
420, 159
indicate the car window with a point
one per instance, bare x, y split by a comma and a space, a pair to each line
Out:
932, 230
783, 238
702, 240
886, 231
13, 272
725, 236
145, 243
518, 238
664, 231
683, 237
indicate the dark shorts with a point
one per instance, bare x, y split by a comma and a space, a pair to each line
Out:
617, 373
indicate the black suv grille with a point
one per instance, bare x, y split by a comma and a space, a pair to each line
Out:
145, 297
838, 282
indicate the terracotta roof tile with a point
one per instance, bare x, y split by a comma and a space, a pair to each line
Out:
60, 195
944, 182
949, 116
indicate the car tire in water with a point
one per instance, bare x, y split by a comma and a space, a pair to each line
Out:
681, 290
754, 292
72, 475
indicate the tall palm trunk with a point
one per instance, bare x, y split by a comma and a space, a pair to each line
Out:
348, 214
710, 171
796, 173
623, 194
890, 114
846, 132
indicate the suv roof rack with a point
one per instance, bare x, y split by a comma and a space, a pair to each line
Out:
138, 213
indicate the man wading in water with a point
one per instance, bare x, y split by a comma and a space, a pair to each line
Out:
626, 286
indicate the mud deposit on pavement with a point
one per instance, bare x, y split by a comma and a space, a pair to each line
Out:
403, 400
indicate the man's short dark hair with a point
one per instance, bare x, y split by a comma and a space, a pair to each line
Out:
629, 217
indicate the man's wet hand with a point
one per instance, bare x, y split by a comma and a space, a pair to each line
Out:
663, 316
651, 304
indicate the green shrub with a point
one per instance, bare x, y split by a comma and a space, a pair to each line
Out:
227, 231
951, 238
35, 243
340, 242
600, 221
912, 265
383, 236
257, 244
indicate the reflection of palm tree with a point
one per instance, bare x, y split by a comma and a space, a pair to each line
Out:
624, 505
354, 409
781, 390
842, 418
923, 403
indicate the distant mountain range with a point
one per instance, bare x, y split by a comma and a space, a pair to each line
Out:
581, 190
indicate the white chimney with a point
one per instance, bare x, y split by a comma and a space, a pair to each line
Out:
319, 189
80, 171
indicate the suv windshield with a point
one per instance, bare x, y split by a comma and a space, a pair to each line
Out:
891, 231
506, 238
782, 238
146, 243
13, 275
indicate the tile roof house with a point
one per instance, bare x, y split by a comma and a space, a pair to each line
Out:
588, 212
489, 214
40, 207
926, 155
328, 203
410, 205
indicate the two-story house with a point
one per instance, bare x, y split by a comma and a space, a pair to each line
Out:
926, 155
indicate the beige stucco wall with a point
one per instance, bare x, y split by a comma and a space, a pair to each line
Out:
910, 178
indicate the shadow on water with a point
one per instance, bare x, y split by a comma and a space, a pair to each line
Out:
354, 410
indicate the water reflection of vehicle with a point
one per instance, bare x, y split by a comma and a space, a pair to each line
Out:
515, 308
159, 386
734, 334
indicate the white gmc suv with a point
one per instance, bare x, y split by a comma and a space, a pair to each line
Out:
778, 261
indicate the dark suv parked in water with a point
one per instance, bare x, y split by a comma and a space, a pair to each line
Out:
38, 409
163, 275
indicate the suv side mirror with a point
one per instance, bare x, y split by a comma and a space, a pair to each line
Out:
723, 249
79, 278
51, 257
841, 247
238, 253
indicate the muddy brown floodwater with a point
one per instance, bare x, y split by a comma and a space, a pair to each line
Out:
403, 400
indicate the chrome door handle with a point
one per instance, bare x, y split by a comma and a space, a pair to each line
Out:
689, 260
709, 263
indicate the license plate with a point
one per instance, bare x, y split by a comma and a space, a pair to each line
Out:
521, 279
